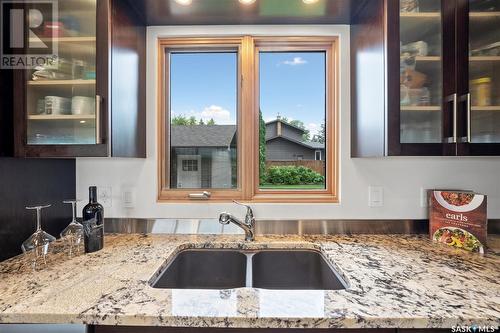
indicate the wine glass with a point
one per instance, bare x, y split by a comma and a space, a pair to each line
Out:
73, 233
38, 243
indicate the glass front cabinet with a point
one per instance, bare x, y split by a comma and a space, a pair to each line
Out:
444, 97
62, 103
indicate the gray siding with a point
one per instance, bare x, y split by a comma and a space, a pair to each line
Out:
283, 150
271, 130
291, 132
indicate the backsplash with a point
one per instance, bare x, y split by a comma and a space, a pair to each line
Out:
25, 182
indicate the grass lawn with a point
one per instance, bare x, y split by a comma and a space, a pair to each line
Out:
292, 187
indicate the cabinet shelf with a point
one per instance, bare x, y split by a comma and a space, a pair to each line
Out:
484, 58
471, 58
421, 15
486, 108
66, 39
49, 117
421, 108
61, 82
484, 14
427, 15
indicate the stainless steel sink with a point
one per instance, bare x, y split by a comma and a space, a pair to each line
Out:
266, 269
304, 270
205, 269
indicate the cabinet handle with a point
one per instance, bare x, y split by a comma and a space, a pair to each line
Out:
468, 135
200, 196
453, 99
98, 100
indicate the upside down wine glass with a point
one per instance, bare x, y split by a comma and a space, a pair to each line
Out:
38, 243
73, 233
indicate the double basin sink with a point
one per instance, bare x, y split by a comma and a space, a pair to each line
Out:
266, 269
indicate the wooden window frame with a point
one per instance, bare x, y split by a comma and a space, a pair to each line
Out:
248, 49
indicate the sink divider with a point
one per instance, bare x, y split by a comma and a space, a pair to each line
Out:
249, 271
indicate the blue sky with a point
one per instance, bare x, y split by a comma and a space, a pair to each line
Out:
291, 84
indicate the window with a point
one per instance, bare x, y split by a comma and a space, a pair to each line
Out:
293, 107
317, 155
189, 165
248, 118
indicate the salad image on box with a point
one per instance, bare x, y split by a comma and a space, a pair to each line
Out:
459, 219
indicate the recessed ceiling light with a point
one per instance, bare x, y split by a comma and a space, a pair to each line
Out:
309, 1
184, 2
247, 2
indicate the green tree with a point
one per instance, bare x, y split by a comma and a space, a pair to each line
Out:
320, 137
183, 120
262, 148
179, 120
300, 124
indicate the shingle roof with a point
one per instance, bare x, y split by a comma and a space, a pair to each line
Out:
285, 123
308, 144
202, 135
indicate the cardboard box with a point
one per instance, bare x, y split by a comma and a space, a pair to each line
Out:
458, 218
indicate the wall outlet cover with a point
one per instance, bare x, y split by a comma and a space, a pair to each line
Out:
375, 196
128, 196
104, 196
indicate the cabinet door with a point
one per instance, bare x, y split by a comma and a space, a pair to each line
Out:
480, 101
63, 101
419, 112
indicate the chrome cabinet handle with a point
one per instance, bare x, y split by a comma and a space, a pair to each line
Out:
98, 101
469, 118
468, 135
205, 195
453, 99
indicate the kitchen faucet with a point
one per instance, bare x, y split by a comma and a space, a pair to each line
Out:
248, 226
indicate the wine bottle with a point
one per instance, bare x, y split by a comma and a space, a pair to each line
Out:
93, 223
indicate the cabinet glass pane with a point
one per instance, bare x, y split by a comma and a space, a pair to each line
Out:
484, 70
421, 71
61, 95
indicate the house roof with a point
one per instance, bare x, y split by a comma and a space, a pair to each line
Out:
285, 123
311, 145
202, 135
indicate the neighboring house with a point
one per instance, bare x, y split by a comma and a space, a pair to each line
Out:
284, 142
203, 156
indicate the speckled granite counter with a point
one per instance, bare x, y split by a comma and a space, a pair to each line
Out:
395, 281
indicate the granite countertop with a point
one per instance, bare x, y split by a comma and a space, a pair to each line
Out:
395, 281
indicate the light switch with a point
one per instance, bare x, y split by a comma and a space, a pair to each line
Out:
375, 196
128, 196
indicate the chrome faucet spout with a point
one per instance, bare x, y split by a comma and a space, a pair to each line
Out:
248, 225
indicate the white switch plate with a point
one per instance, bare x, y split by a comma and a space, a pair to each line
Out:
375, 196
104, 196
424, 201
128, 196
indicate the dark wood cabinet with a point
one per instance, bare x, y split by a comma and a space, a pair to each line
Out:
91, 102
441, 79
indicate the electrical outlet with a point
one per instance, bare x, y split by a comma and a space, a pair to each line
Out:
104, 196
375, 196
424, 200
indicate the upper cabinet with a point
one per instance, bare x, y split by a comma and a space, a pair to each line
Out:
441, 79
478, 77
66, 108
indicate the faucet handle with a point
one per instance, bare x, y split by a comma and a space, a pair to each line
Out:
249, 209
